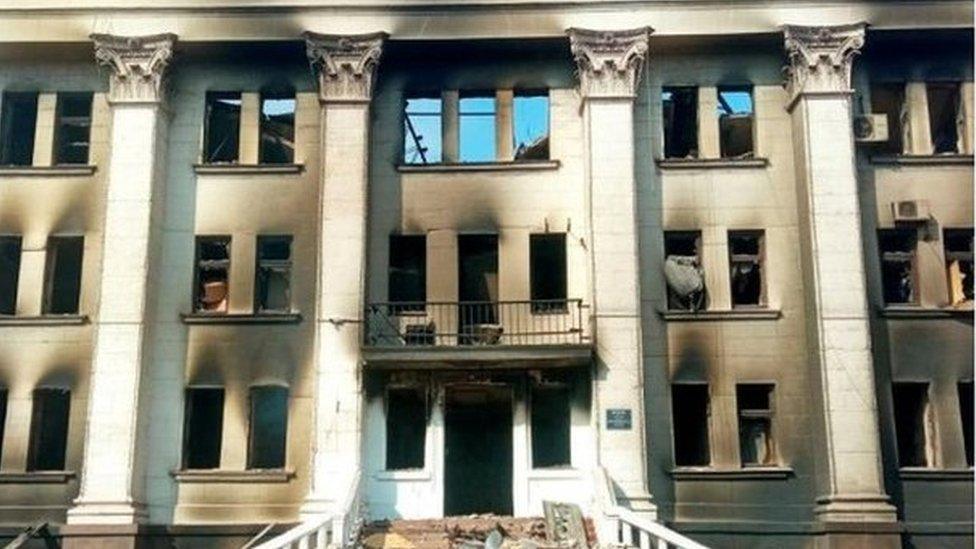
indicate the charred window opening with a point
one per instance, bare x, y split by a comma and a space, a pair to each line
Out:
269, 427
406, 428
277, 142
18, 121
966, 411
551, 421
407, 280
3, 415
10, 247
547, 272
272, 283
72, 128
898, 265
735, 121
889, 99
476, 123
422, 130
212, 274
945, 117
62, 275
959, 264
913, 421
49, 429
746, 266
680, 122
683, 270
756, 443
203, 424
531, 125
222, 127
690, 411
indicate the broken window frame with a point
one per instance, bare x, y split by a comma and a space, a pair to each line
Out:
751, 416
48, 441
548, 296
890, 257
67, 287
890, 99
696, 301
228, 150
965, 390
264, 268
266, 127
949, 143
958, 261
669, 121
545, 454
11, 252
65, 124
726, 112
469, 111
394, 460
686, 445
192, 454
18, 126
406, 297
411, 134
757, 259
275, 438
201, 266
539, 146
914, 416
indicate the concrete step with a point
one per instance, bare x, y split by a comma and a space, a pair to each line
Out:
454, 533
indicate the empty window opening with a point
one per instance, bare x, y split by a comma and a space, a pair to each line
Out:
49, 429
203, 425
277, 144
945, 117
966, 412
690, 410
222, 127
914, 424
62, 274
272, 283
889, 99
10, 249
547, 272
407, 280
3, 415
212, 274
269, 427
755, 405
551, 421
477, 128
959, 264
72, 128
898, 265
746, 266
422, 130
406, 428
531, 125
683, 270
18, 121
478, 289
735, 121
680, 122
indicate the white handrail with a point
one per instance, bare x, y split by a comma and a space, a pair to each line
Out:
315, 532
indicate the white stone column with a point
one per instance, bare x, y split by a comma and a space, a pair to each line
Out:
345, 66
111, 476
819, 86
609, 67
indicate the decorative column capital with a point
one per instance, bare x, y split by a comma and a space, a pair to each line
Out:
138, 65
345, 64
609, 63
820, 58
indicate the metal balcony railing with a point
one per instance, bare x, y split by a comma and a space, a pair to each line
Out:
476, 323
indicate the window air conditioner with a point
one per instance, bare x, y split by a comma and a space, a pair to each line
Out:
910, 211
871, 128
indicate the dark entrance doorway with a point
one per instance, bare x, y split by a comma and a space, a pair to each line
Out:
477, 286
478, 450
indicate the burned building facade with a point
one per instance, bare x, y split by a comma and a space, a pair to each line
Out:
302, 263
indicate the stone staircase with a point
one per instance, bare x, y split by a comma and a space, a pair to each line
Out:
455, 533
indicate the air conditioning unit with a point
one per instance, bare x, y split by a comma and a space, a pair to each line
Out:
910, 211
871, 128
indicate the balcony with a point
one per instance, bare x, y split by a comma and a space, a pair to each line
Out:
482, 334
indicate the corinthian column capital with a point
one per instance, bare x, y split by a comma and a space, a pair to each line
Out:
138, 65
820, 58
609, 62
345, 64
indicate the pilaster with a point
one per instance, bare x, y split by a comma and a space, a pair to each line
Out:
609, 65
819, 83
345, 67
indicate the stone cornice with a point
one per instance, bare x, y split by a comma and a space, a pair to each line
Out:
345, 64
609, 63
820, 58
138, 65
